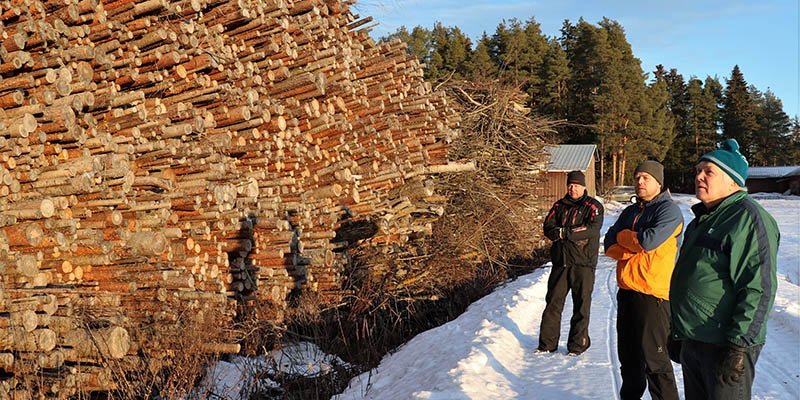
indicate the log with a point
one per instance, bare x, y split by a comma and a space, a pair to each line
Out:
112, 342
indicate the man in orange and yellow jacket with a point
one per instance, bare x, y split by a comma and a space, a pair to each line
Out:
644, 241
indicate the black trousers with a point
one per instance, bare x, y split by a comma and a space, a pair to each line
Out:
642, 331
700, 361
580, 280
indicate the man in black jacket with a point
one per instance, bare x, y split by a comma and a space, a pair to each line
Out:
573, 224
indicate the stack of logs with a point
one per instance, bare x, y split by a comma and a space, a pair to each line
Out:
195, 151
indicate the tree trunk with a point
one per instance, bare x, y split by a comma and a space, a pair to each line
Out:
602, 164
614, 168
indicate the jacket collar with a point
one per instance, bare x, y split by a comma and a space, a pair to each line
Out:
570, 201
661, 197
700, 208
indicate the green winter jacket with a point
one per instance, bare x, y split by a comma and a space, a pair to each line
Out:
725, 280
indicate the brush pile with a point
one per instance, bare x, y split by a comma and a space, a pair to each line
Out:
491, 228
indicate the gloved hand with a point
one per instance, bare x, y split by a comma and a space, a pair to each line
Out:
730, 368
674, 349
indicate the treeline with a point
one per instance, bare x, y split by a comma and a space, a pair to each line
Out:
590, 78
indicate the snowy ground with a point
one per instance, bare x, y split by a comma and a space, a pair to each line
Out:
488, 352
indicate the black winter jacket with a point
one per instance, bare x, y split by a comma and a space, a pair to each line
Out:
580, 240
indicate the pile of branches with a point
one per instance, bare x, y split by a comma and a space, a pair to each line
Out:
492, 215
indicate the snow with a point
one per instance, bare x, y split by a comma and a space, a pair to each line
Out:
489, 351
772, 172
236, 379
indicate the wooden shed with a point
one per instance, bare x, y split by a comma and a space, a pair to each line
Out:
563, 159
785, 179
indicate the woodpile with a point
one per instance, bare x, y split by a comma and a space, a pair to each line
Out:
159, 157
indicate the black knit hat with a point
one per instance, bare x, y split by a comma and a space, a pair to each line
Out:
654, 168
576, 177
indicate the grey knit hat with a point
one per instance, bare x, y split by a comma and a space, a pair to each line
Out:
654, 168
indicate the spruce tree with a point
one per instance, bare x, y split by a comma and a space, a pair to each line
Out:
678, 155
774, 132
709, 121
480, 65
456, 52
793, 152
507, 50
418, 41
654, 130
553, 78
533, 52
700, 134
435, 65
739, 112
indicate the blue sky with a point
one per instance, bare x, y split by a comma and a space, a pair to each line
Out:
697, 37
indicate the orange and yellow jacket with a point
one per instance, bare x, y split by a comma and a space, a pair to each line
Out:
644, 241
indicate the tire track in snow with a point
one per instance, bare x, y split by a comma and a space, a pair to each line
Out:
611, 321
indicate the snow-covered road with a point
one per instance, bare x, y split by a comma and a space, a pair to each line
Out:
488, 352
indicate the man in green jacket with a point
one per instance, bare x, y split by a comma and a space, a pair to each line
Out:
724, 281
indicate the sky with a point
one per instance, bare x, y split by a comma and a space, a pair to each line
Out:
488, 351
698, 38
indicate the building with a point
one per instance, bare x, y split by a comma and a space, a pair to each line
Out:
563, 159
774, 179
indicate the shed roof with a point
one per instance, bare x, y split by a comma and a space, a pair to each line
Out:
570, 157
773, 172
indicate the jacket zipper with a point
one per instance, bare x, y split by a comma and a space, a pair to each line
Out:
636, 217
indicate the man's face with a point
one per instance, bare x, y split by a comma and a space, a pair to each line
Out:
647, 187
575, 190
712, 184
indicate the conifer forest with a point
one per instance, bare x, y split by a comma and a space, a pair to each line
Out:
589, 78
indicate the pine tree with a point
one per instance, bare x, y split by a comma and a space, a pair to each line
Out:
609, 101
584, 45
739, 113
622, 103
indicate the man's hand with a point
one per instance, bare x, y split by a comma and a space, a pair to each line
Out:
674, 349
618, 252
730, 368
627, 238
